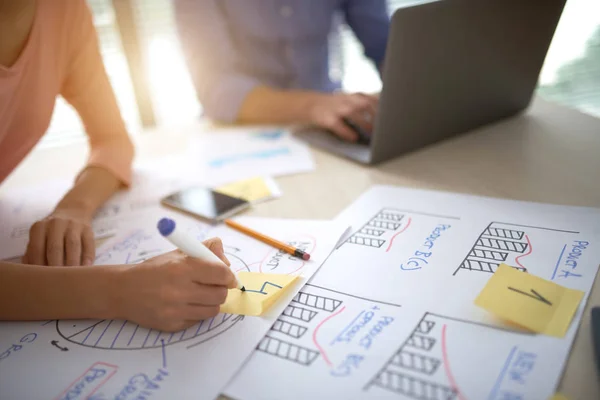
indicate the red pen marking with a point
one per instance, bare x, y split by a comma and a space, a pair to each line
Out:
98, 386
447, 366
399, 232
260, 265
272, 252
314, 336
524, 255
314, 241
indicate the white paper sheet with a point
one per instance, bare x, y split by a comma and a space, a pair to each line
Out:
389, 322
231, 155
120, 360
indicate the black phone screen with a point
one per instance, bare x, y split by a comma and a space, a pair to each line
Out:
205, 203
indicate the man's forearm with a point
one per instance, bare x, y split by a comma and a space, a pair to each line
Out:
30, 292
265, 105
94, 186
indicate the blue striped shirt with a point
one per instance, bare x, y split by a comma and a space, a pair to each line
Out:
231, 46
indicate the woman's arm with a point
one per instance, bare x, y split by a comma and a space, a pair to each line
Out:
65, 236
168, 292
33, 292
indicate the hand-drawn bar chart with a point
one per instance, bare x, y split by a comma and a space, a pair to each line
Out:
379, 229
510, 244
415, 370
287, 338
125, 335
445, 358
382, 230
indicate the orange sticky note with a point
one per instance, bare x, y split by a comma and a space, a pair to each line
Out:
530, 301
262, 290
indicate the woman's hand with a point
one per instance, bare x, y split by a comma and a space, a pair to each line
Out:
174, 291
64, 238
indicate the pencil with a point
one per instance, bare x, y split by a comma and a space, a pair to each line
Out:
268, 240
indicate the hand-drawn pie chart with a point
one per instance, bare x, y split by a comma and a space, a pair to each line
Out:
124, 335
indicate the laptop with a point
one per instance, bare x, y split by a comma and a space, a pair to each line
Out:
452, 66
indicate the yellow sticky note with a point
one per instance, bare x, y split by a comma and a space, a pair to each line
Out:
530, 301
558, 396
262, 290
253, 189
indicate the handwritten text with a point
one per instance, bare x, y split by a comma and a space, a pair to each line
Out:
88, 383
141, 386
419, 258
577, 248
29, 338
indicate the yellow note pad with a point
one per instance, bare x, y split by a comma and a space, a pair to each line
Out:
262, 290
530, 301
253, 189
558, 396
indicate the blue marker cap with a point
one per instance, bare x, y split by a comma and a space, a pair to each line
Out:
166, 226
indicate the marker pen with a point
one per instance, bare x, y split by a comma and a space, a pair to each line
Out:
189, 245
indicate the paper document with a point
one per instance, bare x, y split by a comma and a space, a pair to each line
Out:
226, 156
391, 313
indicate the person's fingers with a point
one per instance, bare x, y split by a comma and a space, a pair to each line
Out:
216, 246
73, 245
206, 295
199, 313
36, 248
361, 121
55, 242
337, 126
174, 327
88, 251
210, 273
365, 104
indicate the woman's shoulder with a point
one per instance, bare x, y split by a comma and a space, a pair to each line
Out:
65, 17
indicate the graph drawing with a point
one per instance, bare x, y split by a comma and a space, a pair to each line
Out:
506, 243
381, 230
125, 335
416, 369
289, 338
295, 335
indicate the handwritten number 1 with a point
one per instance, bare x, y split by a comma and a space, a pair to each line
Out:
535, 295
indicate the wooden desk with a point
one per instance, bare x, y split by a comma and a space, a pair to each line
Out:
550, 154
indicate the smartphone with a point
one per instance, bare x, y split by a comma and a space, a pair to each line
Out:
205, 203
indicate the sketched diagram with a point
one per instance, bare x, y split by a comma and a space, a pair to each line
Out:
381, 228
290, 338
380, 231
506, 243
443, 358
297, 336
416, 369
125, 335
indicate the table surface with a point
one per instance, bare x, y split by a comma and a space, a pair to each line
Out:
549, 154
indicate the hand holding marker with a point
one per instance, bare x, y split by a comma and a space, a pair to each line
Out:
188, 245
